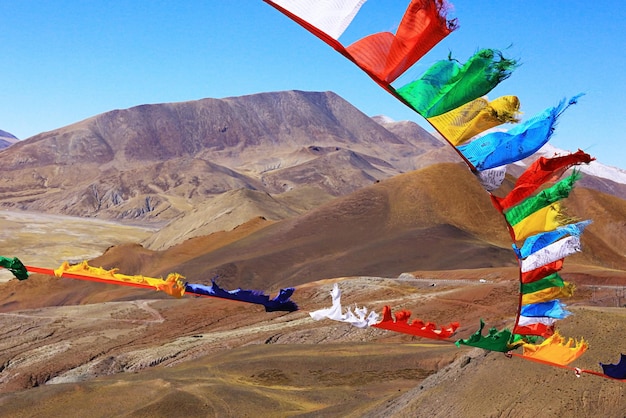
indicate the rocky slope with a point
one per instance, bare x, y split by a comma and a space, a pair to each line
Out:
157, 161
6, 139
305, 202
82, 348
428, 219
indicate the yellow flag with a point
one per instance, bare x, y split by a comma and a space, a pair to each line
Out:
543, 220
467, 121
173, 284
548, 294
556, 350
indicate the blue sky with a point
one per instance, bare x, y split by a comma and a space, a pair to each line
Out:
67, 60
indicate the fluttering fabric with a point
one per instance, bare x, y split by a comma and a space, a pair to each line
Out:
538, 173
616, 371
544, 198
553, 252
526, 320
556, 349
537, 242
541, 272
448, 85
385, 56
499, 148
553, 280
172, 284
538, 329
331, 17
416, 327
362, 318
15, 266
544, 295
491, 179
543, 220
494, 340
280, 302
461, 124
552, 309
359, 318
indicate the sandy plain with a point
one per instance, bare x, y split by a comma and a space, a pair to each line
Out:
46, 240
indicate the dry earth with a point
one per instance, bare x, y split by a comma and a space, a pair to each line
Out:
284, 362
70, 348
207, 357
45, 240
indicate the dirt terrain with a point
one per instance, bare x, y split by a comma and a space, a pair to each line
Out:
46, 240
74, 348
135, 355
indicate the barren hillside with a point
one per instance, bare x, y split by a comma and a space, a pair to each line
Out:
154, 162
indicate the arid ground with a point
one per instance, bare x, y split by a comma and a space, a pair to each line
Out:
72, 348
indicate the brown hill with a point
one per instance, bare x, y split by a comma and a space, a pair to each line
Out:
231, 209
605, 243
91, 349
63, 346
80, 346
603, 185
156, 161
6, 139
436, 218
401, 224
202, 357
432, 219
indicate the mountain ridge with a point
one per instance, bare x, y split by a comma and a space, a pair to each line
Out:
7, 139
427, 240
395, 226
145, 162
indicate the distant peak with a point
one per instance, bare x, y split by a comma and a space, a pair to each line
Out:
6, 135
7, 139
382, 119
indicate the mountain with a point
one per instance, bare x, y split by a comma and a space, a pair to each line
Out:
232, 209
7, 139
432, 219
273, 211
400, 224
71, 345
155, 162
436, 218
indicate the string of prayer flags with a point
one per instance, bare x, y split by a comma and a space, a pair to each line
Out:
494, 340
359, 318
555, 349
15, 266
448, 85
616, 371
280, 302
